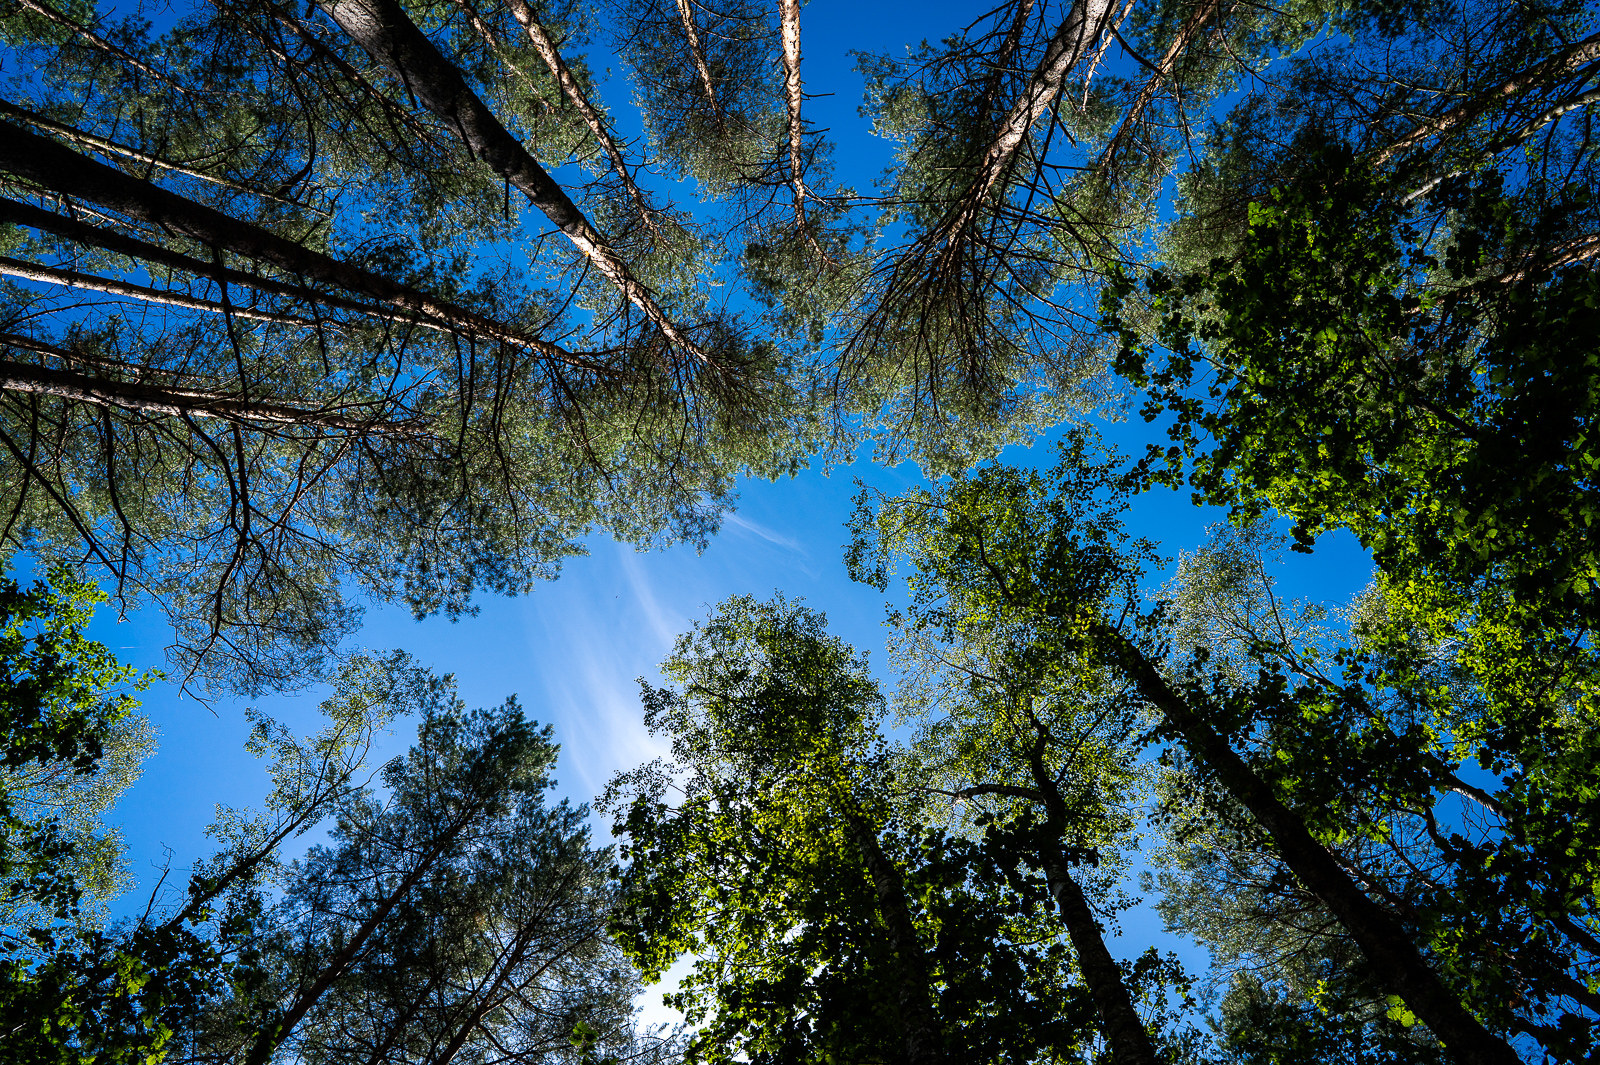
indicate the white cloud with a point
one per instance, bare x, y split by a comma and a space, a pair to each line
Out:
769, 535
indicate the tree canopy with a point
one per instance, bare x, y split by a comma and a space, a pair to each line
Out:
306, 305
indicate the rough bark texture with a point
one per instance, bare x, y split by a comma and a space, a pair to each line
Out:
59, 168
385, 32
789, 15
1071, 41
1380, 935
920, 1028
696, 53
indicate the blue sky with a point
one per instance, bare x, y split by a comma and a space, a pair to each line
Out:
572, 650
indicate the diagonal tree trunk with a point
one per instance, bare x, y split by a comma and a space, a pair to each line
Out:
143, 251
1072, 39
111, 147
1129, 1038
180, 402
546, 48
1567, 59
72, 279
697, 53
56, 167
65, 21
1190, 29
1384, 941
389, 36
268, 1041
1510, 140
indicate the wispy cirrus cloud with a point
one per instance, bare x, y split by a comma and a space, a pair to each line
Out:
771, 536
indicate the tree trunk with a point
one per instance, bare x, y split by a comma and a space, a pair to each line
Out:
390, 37
1569, 58
56, 167
919, 1026
110, 147
23, 214
789, 15
697, 54
111, 287
178, 402
547, 51
1380, 935
44, 10
1129, 1039
1070, 42
1186, 34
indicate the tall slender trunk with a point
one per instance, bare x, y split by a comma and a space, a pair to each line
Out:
1072, 39
1130, 1040
65, 21
111, 147
1192, 25
789, 17
1382, 938
181, 402
919, 1026
546, 48
697, 54
1511, 139
112, 287
72, 229
384, 30
60, 169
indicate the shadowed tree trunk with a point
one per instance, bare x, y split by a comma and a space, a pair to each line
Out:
1385, 942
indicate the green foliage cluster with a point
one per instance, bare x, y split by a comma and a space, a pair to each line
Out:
452, 911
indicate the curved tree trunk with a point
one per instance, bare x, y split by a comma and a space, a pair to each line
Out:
1130, 1040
